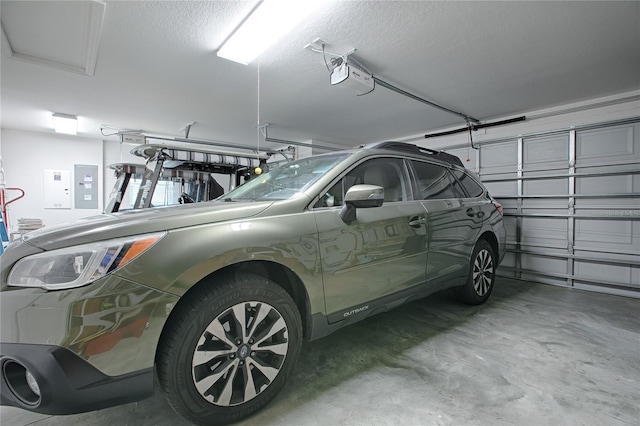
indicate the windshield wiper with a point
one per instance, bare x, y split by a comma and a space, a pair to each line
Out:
236, 200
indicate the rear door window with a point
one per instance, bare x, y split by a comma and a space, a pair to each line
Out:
434, 182
472, 187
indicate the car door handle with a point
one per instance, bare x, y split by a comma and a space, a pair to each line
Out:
471, 213
417, 222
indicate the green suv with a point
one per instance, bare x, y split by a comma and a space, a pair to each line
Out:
217, 297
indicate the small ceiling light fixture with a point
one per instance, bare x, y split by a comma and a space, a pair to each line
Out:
266, 23
65, 123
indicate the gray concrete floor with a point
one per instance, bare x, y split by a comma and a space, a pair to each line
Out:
533, 355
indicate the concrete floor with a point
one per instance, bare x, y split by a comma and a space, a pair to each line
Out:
533, 355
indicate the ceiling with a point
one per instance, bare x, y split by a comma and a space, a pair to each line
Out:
151, 65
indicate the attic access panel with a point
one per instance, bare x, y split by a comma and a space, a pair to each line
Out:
60, 34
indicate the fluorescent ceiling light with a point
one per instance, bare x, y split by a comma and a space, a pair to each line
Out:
267, 23
65, 123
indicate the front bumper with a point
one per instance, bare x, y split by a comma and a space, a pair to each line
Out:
87, 348
66, 383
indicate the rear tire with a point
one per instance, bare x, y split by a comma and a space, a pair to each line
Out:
229, 349
482, 275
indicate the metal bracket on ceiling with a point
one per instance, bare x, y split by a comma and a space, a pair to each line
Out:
470, 127
263, 129
187, 129
123, 134
318, 45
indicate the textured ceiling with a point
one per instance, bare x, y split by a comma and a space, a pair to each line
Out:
157, 70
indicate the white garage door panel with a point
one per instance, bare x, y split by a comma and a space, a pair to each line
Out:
546, 153
608, 207
498, 158
502, 188
542, 205
546, 278
510, 224
617, 257
608, 187
534, 262
543, 230
619, 235
558, 186
620, 184
614, 274
509, 262
572, 204
605, 146
509, 204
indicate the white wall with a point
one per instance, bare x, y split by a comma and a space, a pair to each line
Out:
25, 156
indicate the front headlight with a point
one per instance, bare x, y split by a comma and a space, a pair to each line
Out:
78, 265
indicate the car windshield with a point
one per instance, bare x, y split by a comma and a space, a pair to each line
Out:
287, 180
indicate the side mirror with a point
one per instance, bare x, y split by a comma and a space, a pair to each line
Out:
360, 197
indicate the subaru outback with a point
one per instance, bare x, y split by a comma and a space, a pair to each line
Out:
216, 298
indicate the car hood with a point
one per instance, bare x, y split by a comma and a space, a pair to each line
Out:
123, 224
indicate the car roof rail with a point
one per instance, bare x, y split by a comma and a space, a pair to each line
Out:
415, 149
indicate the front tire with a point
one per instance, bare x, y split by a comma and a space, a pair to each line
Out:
228, 349
482, 275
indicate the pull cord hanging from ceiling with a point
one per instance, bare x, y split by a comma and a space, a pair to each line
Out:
258, 170
470, 143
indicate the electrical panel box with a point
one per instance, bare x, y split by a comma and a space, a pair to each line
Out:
86, 186
351, 77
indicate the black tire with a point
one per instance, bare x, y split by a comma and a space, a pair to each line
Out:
228, 349
482, 275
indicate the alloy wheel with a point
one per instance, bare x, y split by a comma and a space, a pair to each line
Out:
483, 272
240, 353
